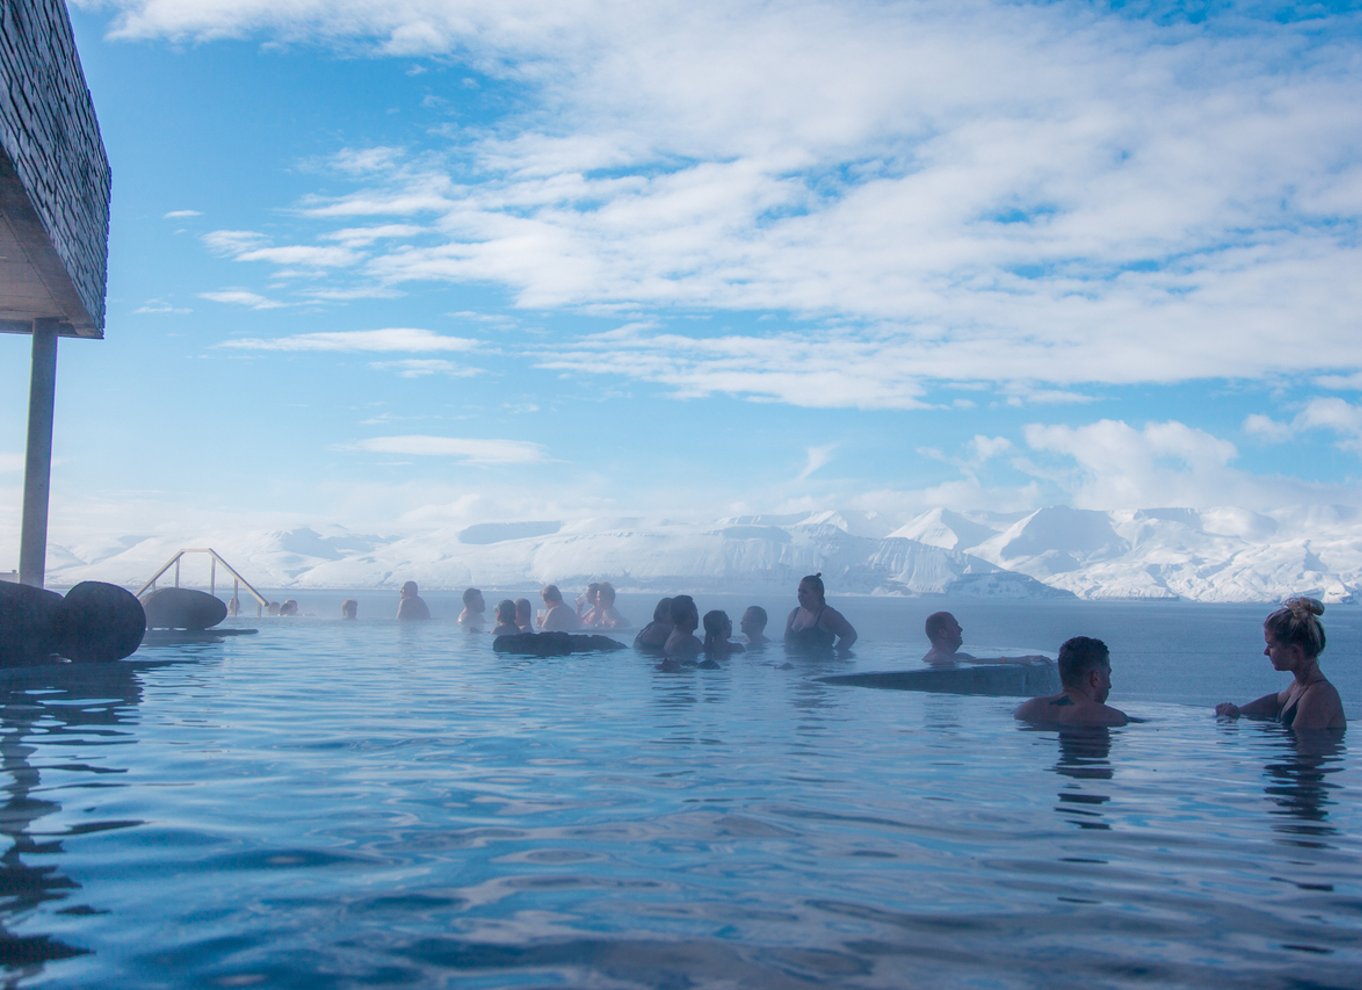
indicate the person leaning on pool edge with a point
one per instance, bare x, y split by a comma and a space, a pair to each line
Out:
1295, 639
1085, 672
946, 636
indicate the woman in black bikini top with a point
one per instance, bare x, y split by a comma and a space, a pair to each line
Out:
815, 626
1295, 639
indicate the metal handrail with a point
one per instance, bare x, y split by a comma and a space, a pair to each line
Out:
238, 582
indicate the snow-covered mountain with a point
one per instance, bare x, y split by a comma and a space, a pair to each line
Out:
1223, 554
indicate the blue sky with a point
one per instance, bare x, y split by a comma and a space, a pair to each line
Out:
412, 264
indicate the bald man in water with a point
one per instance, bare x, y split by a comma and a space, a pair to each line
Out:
410, 604
1085, 673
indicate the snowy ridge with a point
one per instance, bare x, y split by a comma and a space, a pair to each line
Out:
1215, 555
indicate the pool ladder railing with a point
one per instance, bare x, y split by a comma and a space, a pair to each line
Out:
238, 582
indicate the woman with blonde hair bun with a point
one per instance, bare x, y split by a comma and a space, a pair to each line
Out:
1295, 639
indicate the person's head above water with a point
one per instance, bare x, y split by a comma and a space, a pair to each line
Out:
717, 624
408, 590
524, 613
663, 611
506, 611
472, 599
944, 632
1297, 623
811, 594
605, 595
551, 595
753, 621
684, 612
1085, 666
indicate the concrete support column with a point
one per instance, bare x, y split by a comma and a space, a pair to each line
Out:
42, 402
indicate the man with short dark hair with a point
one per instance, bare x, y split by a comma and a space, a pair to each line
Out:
1085, 672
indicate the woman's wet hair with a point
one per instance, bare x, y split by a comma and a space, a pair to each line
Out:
663, 611
470, 595
605, 594
715, 623
1296, 623
814, 581
506, 611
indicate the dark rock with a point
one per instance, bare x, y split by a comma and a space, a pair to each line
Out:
182, 608
554, 644
28, 623
95, 622
99, 622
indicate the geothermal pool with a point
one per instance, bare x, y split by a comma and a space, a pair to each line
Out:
347, 804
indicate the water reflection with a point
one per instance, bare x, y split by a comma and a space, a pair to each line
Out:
1084, 757
1300, 786
73, 706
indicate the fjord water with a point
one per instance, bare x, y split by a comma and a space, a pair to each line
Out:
342, 804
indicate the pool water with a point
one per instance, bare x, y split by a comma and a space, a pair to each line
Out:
338, 804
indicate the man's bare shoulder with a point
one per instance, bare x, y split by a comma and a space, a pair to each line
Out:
1061, 709
1049, 708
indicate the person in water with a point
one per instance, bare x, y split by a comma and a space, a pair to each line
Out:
349, 609
1295, 639
524, 615
815, 625
474, 609
410, 605
605, 615
557, 616
586, 602
506, 624
653, 637
718, 633
753, 625
1085, 673
946, 635
682, 646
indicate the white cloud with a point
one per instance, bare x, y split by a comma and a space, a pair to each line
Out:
161, 307
1042, 195
1266, 428
1110, 464
1328, 413
1337, 416
396, 339
987, 448
180, 214
242, 297
300, 254
415, 368
472, 451
361, 236
815, 459
822, 370
231, 242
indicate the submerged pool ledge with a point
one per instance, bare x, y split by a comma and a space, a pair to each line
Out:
999, 680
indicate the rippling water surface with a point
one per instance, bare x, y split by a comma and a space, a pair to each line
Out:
367, 804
